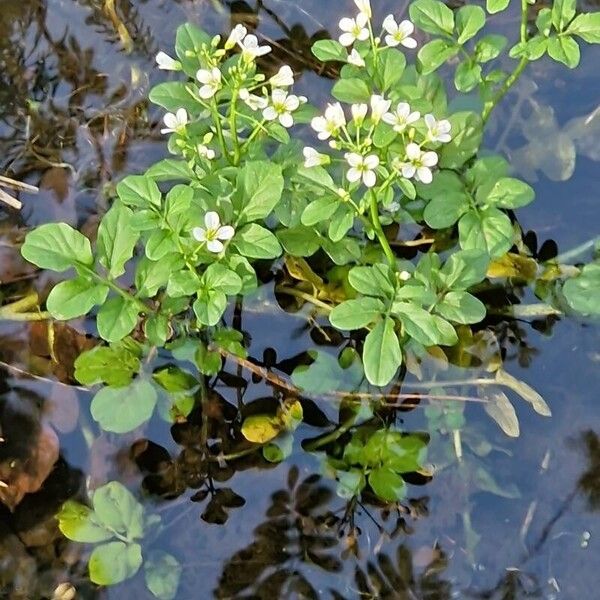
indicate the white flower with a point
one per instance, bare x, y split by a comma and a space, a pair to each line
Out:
354, 58
364, 6
399, 34
238, 33
359, 112
175, 123
252, 100
402, 117
213, 232
166, 63
379, 106
312, 158
282, 107
404, 275
205, 152
419, 163
329, 125
437, 131
211, 80
354, 29
283, 78
251, 49
362, 167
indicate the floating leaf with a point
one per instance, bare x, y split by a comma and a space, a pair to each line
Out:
498, 407
525, 391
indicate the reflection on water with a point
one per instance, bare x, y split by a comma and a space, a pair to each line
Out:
511, 519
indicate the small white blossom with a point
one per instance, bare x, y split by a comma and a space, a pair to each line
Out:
419, 163
379, 106
359, 112
251, 49
399, 33
211, 80
213, 233
312, 158
205, 152
362, 167
364, 6
282, 106
331, 123
252, 100
238, 33
437, 131
354, 58
404, 275
283, 78
354, 29
166, 63
401, 118
175, 123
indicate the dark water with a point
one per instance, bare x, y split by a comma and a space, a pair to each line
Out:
74, 120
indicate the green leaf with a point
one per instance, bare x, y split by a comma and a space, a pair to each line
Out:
432, 16
510, 193
461, 307
467, 76
583, 292
326, 50
320, 210
114, 562
525, 391
174, 95
351, 91
260, 184
139, 191
489, 47
327, 373
189, 41
183, 283
489, 230
467, 133
178, 205
587, 27
160, 244
299, 241
340, 223
564, 49
496, 6
170, 169
382, 354
117, 509
245, 272
116, 239
350, 483
218, 277
74, 298
162, 572
254, 241
151, 275
498, 407
392, 449
445, 210
57, 246
372, 281
122, 409
424, 327
387, 484
464, 269
391, 66
117, 318
357, 313
113, 365
563, 12
469, 21
435, 53
78, 522
157, 329
210, 306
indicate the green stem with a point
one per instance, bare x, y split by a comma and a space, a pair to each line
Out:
331, 436
576, 252
376, 223
216, 118
512, 78
233, 127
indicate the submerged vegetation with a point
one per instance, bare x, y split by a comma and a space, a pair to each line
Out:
385, 234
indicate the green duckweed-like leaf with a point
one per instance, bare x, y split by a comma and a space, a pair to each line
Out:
116, 239
254, 241
139, 191
113, 365
564, 49
488, 230
356, 313
162, 573
467, 133
563, 12
489, 47
74, 298
351, 91
387, 484
122, 409
114, 562
327, 50
117, 509
79, 523
496, 6
189, 41
260, 184
445, 210
382, 354
327, 373
372, 281
173, 95
117, 318
464, 269
57, 246
435, 53
210, 306
461, 307
170, 169
432, 16
587, 27
470, 20
510, 193
583, 292
350, 483
424, 327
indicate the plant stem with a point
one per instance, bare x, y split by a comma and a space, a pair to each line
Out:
216, 118
576, 252
233, 127
376, 223
304, 296
331, 436
514, 76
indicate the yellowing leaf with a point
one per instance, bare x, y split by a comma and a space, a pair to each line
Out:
261, 429
513, 265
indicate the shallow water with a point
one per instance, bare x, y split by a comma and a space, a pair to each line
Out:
74, 121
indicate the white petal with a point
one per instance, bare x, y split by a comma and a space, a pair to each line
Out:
323, 135
363, 35
406, 27
346, 39
354, 159
391, 41
429, 121
364, 6
409, 42
414, 116
346, 24
362, 19
319, 124
389, 24
226, 232
403, 110
413, 151
199, 234
292, 103
424, 175
286, 120
207, 91
390, 118
165, 62
270, 113
444, 138
182, 116
371, 161
369, 178
353, 175
212, 220
214, 246
279, 96
170, 120
203, 76
356, 59
429, 159
408, 171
